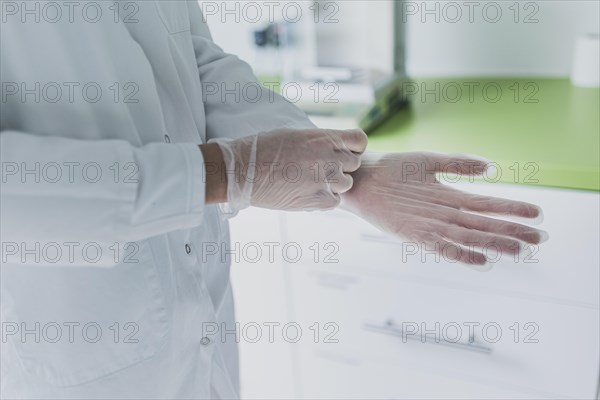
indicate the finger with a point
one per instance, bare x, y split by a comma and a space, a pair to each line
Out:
427, 236
499, 206
453, 253
493, 205
456, 164
330, 201
350, 162
341, 183
511, 229
450, 197
482, 240
355, 140
434, 212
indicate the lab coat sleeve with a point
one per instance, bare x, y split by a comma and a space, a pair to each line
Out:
229, 111
59, 190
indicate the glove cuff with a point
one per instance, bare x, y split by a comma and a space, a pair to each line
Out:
239, 158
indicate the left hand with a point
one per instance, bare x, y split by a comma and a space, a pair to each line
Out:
400, 194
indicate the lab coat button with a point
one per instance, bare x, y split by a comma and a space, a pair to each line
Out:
188, 249
205, 341
167, 139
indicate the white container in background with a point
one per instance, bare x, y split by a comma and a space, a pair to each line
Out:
586, 61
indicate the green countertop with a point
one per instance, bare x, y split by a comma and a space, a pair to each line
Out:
539, 131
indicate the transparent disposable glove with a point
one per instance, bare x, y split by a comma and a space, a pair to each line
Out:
400, 194
290, 169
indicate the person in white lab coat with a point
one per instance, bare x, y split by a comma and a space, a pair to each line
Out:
110, 190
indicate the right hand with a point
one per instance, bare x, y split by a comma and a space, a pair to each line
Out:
294, 170
400, 194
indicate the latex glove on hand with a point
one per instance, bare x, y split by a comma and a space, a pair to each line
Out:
290, 169
400, 194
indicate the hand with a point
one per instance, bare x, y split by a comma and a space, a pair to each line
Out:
400, 194
290, 169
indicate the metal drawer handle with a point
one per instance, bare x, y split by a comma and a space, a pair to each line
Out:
390, 328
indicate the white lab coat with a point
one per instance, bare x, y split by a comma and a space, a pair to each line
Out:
131, 316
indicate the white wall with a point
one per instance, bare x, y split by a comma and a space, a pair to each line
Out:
503, 48
232, 24
347, 30
363, 35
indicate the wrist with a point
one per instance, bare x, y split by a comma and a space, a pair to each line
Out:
363, 178
229, 173
215, 176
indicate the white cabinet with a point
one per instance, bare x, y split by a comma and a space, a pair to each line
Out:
529, 328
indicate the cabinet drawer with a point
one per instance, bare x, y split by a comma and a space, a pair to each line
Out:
492, 341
